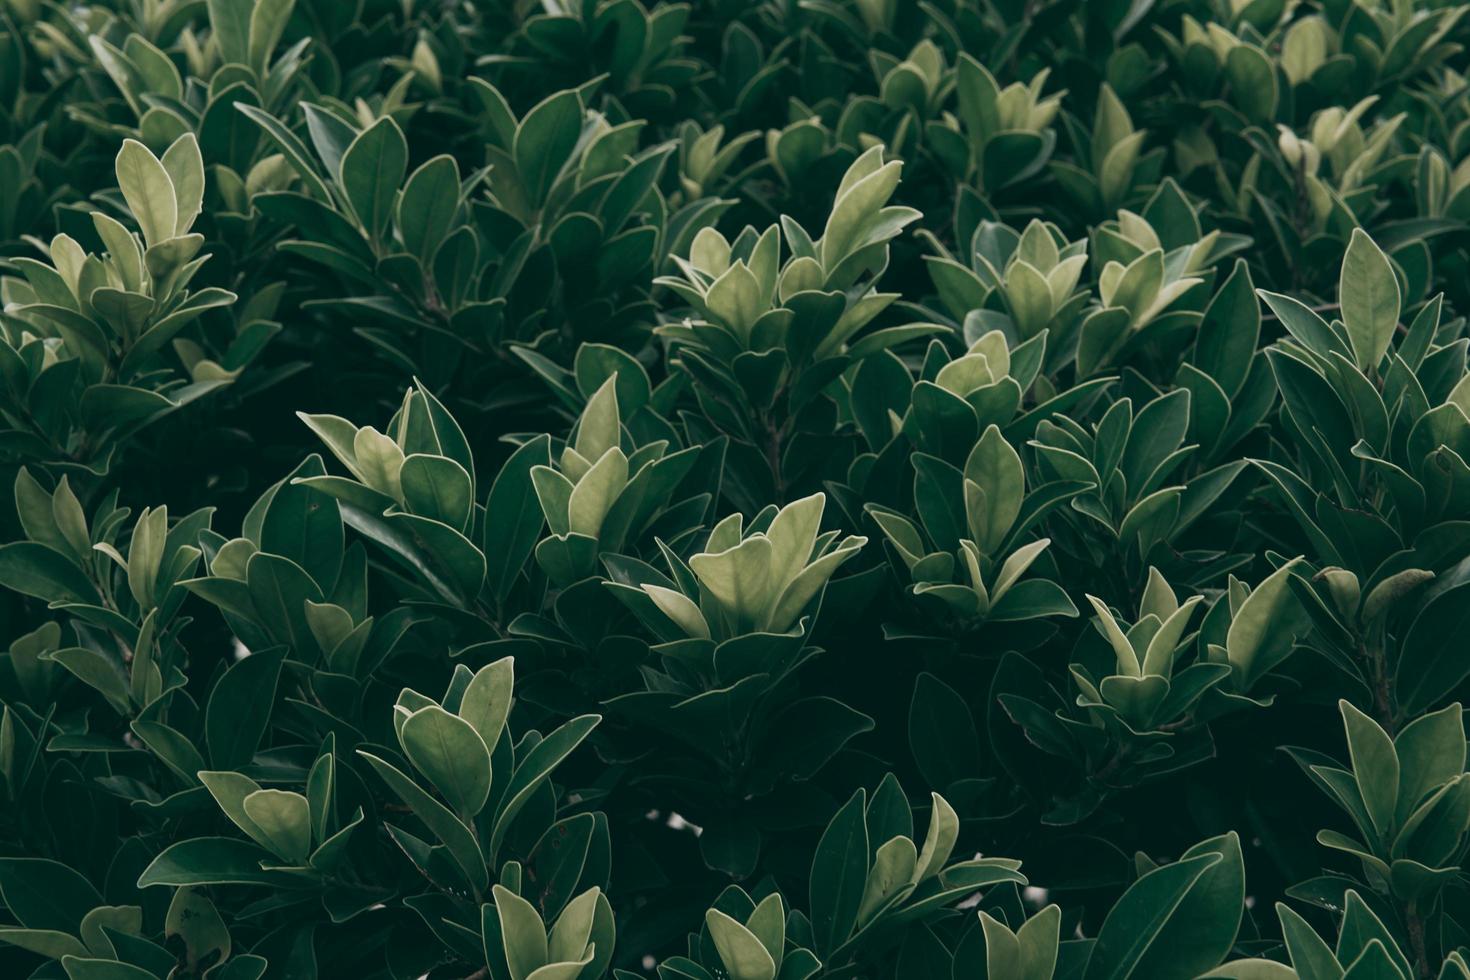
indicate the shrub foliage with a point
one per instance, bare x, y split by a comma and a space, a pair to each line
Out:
734, 491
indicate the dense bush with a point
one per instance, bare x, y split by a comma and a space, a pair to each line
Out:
810, 488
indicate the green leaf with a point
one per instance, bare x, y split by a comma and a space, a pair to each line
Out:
185, 167
1375, 766
839, 874
523, 934
44, 894
239, 708
1431, 752
597, 491
279, 591
36, 570
449, 751
543, 141
536, 767
284, 821
230, 23
1140, 918
1227, 336
214, 861
743, 955
1369, 293
738, 578
458, 838
428, 206
46, 942
304, 525
100, 672
437, 487
1430, 665
941, 733
91, 968
1312, 958
1266, 628
599, 428
858, 201
149, 192
267, 24
291, 146
371, 171
994, 471
510, 538
487, 700
1203, 928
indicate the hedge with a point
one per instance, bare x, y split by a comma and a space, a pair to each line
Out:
512, 490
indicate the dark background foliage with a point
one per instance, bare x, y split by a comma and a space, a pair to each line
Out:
845, 488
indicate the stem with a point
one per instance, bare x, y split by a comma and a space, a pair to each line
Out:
1300, 215
1113, 765
1414, 923
1383, 699
775, 442
773, 460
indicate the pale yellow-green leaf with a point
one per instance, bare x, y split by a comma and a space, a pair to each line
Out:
148, 190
